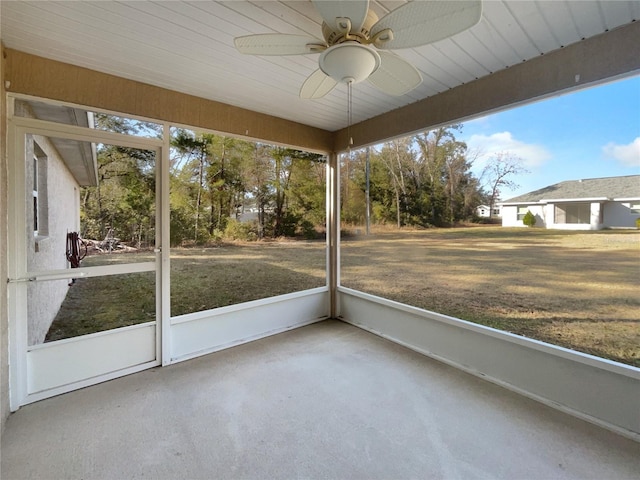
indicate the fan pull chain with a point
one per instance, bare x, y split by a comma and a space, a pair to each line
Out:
349, 111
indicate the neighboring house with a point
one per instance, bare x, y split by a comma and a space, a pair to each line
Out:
55, 170
589, 204
484, 211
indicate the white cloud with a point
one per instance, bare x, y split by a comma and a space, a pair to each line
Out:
490, 145
628, 155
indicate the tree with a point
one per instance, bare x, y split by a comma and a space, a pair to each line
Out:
351, 165
225, 178
381, 191
258, 177
445, 186
529, 219
292, 169
212, 179
307, 193
496, 175
124, 199
207, 180
397, 158
422, 180
194, 149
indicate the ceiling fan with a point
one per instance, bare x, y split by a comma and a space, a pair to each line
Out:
356, 42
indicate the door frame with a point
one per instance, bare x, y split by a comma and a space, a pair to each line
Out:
19, 351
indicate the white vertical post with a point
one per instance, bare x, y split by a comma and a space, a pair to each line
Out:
17, 265
333, 223
164, 275
595, 215
367, 193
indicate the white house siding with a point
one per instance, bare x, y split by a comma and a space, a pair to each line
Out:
619, 214
601, 215
47, 251
596, 216
483, 211
510, 215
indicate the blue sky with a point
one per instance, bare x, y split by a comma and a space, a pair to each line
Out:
591, 133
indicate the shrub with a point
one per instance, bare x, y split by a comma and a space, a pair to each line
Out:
236, 230
529, 219
638, 223
308, 230
217, 236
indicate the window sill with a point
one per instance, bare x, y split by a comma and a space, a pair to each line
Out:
40, 239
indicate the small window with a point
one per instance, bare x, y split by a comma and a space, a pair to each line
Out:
522, 211
36, 210
635, 208
39, 193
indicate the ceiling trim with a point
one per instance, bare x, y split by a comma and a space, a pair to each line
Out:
41, 77
576, 66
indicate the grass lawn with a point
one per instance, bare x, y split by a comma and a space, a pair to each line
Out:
575, 289
201, 279
205, 278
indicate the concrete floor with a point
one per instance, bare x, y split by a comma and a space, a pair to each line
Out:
324, 401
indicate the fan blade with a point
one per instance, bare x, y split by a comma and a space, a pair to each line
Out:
317, 85
355, 10
395, 75
422, 22
278, 44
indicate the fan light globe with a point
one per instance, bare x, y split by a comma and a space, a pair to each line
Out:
349, 62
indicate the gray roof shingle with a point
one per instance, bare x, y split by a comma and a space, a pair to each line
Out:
608, 187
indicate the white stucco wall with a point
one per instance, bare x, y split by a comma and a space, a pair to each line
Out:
47, 251
618, 214
510, 215
602, 215
595, 221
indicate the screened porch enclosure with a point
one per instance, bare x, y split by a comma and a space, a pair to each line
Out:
151, 331
319, 366
573, 213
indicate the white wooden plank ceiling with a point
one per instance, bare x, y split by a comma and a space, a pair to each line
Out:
188, 46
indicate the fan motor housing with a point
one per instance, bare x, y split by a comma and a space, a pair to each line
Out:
333, 38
